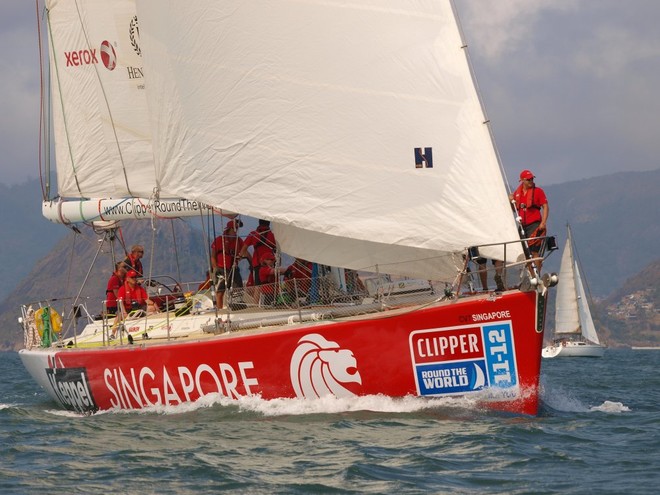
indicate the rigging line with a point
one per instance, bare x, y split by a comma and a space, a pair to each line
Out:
112, 249
205, 238
89, 271
213, 272
122, 242
42, 124
107, 103
48, 160
73, 251
153, 245
176, 251
59, 87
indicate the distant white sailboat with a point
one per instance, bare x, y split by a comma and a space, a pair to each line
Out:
575, 334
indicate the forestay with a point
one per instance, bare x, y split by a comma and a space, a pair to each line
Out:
354, 126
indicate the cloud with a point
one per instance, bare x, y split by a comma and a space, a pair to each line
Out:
505, 26
570, 86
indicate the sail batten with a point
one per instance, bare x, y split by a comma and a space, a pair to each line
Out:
352, 130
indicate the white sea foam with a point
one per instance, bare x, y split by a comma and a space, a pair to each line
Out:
332, 405
324, 405
611, 407
559, 399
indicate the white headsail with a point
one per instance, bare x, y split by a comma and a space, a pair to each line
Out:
567, 318
572, 313
355, 127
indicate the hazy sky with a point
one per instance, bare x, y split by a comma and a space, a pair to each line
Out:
569, 85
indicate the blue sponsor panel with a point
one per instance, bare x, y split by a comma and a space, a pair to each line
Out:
500, 355
451, 378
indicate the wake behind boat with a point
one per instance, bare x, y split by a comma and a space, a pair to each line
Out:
359, 134
575, 333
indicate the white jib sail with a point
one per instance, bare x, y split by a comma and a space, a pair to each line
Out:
567, 319
586, 321
354, 126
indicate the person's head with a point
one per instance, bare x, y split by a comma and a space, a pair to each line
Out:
120, 268
131, 277
264, 223
526, 177
137, 251
233, 225
268, 259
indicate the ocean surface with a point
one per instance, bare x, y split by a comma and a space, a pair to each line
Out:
599, 432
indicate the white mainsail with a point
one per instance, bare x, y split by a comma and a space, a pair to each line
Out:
100, 114
572, 314
354, 126
104, 154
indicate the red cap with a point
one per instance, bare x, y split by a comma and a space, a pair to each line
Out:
232, 225
526, 174
132, 274
268, 256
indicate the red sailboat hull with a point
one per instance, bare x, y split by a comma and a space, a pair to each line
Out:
489, 347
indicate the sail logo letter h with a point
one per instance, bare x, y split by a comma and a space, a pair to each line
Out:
424, 159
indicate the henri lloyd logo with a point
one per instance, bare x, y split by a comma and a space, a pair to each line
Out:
72, 389
134, 35
423, 157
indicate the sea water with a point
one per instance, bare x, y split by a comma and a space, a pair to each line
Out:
598, 432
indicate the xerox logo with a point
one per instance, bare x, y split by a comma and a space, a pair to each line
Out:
81, 57
108, 55
89, 56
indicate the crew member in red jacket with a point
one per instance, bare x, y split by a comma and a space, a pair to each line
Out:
132, 260
262, 241
224, 260
131, 297
532, 207
268, 275
298, 277
115, 282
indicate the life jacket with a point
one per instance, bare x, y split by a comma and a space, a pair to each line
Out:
529, 198
262, 239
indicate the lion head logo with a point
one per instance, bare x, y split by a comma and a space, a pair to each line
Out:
320, 367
